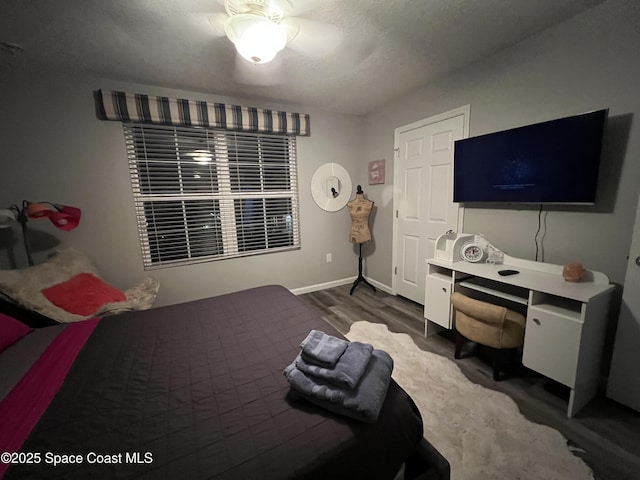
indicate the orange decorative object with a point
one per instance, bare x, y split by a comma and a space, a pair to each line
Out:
573, 272
67, 218
63, 217
39, 210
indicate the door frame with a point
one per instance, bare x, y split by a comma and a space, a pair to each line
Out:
464, 110
622, 385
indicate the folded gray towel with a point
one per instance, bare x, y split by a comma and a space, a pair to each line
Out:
322, 349
348, 369
363, 403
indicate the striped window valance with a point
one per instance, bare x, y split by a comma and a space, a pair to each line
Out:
130, 107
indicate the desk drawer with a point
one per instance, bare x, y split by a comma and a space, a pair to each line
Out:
551, 345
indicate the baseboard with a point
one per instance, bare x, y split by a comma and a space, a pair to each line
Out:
381, 286
338, 283
322, 286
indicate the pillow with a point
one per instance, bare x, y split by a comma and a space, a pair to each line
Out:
25, 287
83, 294
11, 330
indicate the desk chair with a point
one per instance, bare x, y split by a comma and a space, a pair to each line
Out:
487, 324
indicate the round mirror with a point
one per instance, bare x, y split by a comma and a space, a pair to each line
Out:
331, 187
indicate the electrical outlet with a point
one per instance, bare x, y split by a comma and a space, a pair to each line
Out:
329, 257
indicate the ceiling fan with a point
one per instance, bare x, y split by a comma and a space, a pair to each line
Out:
260, 29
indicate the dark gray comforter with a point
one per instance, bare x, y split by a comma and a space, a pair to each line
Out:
197, 391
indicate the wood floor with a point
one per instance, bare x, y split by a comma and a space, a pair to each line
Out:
605, 434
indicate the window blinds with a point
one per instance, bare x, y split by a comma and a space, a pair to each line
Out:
205, 194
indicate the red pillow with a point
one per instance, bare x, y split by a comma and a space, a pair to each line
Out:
83, 294
11, 330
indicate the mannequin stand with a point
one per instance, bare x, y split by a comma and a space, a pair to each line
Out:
360, 277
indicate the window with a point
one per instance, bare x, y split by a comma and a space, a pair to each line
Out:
203, 194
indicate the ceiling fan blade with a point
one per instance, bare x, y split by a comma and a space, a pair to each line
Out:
302, 7
216, 23
204, 26
206, 17
311, 38
261, 74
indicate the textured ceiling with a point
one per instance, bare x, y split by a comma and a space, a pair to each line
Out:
351, 56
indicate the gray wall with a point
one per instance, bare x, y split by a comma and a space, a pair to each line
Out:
589, 62
54, 148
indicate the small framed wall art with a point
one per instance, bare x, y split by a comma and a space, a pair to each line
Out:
376, 172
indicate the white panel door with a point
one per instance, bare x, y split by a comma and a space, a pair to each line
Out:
423, 197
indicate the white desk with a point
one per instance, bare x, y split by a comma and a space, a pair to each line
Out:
566, 321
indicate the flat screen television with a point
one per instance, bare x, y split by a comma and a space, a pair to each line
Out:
553, 162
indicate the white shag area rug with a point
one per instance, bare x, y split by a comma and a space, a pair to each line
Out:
479, 431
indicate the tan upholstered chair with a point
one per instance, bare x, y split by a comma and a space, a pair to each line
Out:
487, 324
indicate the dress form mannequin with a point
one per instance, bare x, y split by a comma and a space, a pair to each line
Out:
360, 209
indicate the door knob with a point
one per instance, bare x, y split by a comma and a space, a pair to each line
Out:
638, 261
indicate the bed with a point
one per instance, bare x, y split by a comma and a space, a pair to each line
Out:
194, 391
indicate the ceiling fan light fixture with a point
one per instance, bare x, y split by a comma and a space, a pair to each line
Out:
257, 38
